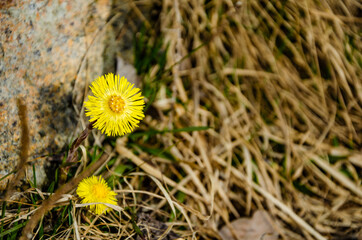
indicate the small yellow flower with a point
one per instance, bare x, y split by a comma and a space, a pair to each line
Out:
95, 189
116, 107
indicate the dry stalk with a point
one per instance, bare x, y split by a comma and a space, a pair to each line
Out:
24, 150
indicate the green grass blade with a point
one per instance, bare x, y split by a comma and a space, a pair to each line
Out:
14, 229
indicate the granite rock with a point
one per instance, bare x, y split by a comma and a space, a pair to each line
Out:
49, 52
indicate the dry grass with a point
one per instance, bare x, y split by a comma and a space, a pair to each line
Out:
279, 85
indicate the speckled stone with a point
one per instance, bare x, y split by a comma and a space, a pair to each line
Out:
42, 45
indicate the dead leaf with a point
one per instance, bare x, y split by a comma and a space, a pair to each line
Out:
258, 227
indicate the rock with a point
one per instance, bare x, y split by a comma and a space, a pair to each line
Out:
49, 50
127, 70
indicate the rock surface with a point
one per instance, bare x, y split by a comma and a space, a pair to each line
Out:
49, 50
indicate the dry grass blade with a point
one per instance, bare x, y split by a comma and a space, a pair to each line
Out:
75, 224
337, 175
114, 207
167, 196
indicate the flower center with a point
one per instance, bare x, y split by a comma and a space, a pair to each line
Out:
116, 104
99, 191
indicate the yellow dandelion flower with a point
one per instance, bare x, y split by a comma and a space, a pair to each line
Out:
116, 107
95, 189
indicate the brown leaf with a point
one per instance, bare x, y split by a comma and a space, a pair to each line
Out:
258, 227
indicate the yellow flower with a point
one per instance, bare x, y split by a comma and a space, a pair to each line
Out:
116, 107
95, 189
